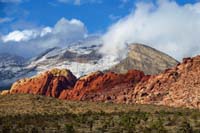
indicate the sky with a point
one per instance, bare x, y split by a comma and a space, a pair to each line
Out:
31, 26
97, 15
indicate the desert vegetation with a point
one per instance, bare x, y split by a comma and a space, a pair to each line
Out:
31, 113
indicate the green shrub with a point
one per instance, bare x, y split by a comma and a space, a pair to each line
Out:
69, 128
157, 126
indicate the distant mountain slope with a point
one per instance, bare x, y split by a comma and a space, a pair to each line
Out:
10, 66
146, 59
82, 58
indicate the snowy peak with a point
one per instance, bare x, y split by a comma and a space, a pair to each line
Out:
81, 58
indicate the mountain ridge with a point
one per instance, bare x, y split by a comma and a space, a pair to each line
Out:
81, 58
146, 59
176, 87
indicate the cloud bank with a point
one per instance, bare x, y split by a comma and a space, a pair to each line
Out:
25, 35
167, 26
30, 42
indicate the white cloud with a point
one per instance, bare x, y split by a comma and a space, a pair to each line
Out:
63, 29
166, 26
25, 35
72, 29
34, 41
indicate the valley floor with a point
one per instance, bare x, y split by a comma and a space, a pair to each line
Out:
34, 113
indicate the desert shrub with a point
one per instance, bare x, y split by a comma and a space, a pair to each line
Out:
185, 127
157, 126
170, 121
69, 128
128, 122
142, 115
34, 130
6, 129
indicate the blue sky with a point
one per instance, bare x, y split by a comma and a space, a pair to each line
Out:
32, 26
97, 15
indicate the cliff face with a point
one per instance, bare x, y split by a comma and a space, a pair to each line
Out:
100, 86
146, 59
177, 87
50, 83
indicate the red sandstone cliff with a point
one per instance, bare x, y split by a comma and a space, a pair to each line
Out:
100, 86
50, 83
177, 87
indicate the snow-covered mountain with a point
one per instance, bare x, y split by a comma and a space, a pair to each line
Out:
80, 57
11, 66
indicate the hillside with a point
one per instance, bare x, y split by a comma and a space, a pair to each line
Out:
146, 59
177, 87
82, 58
33, 113
10, 66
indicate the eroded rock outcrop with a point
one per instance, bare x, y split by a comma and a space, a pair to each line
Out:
99, 86
96, 86
50, 83
177, 87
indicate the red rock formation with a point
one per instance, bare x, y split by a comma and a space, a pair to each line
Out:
97, 86
50, 83
177, 87
100, 86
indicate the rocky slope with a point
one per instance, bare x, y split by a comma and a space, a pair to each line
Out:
146, 59
177, 87
99, 86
